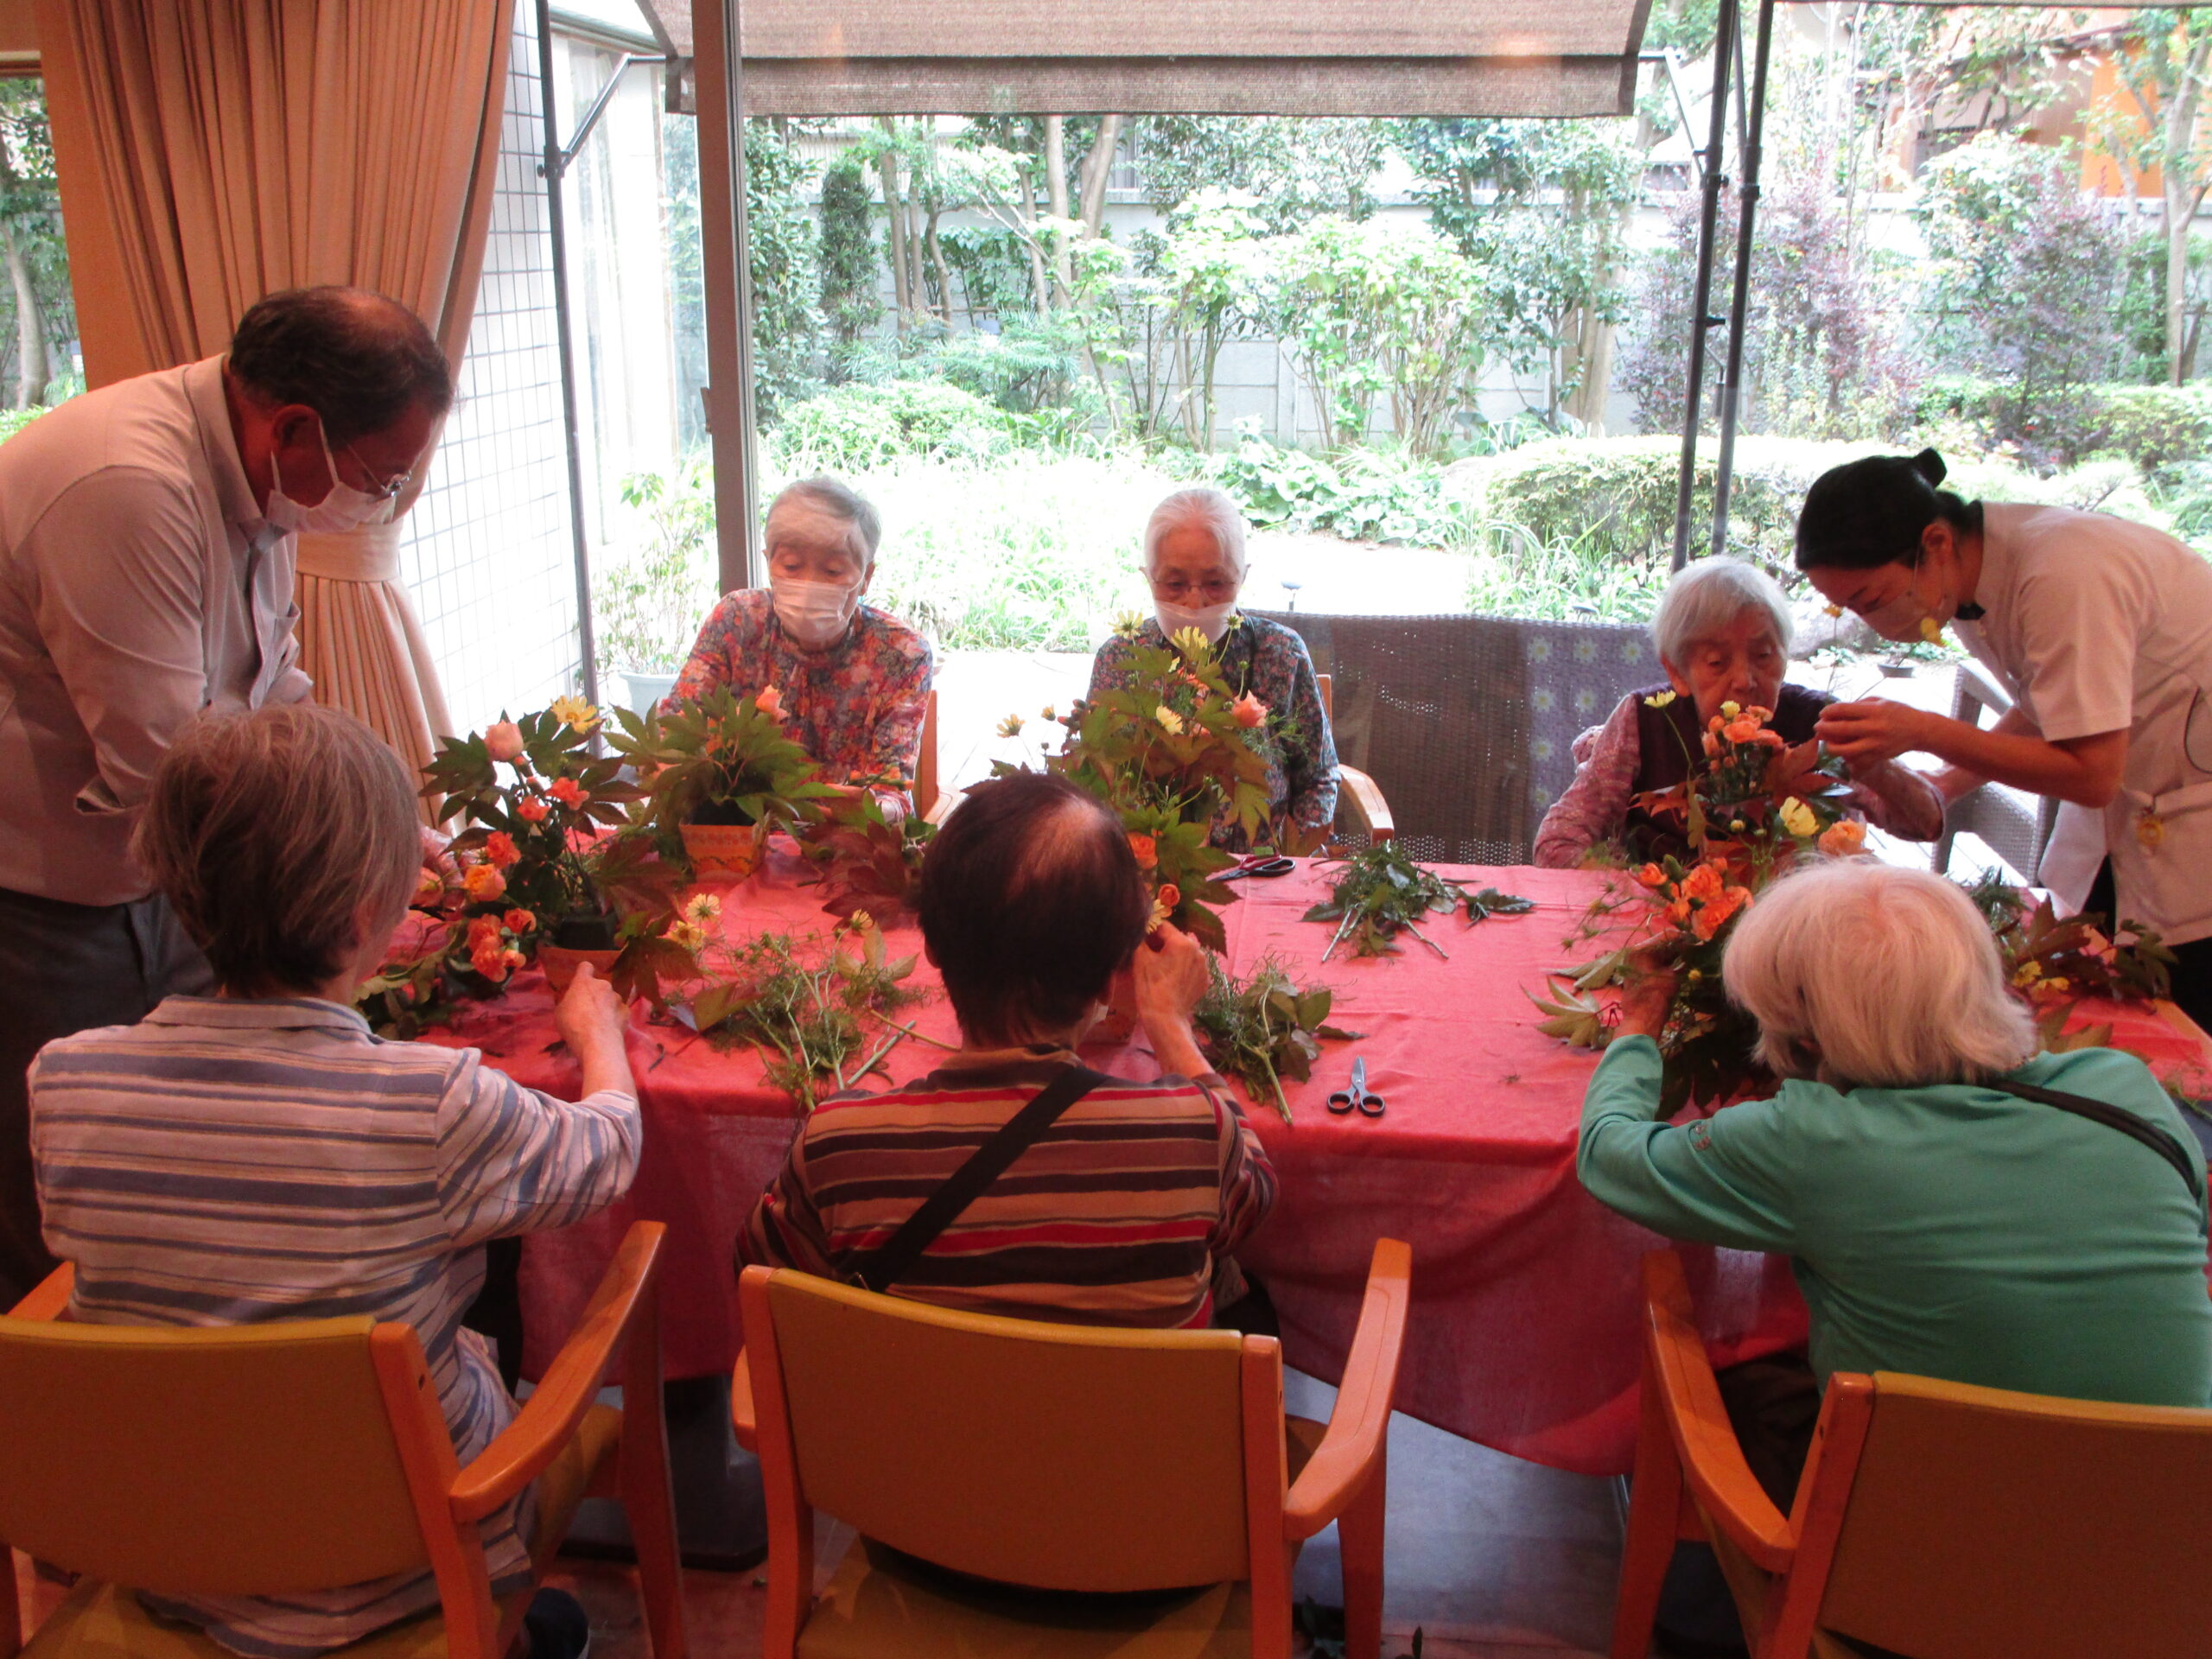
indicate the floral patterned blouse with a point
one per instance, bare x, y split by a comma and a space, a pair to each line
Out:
1270, 662
855, 707
1609, 760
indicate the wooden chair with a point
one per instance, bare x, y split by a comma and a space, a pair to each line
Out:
1358, 793
1934, 1519
973, 1454
273, 1459
926, 793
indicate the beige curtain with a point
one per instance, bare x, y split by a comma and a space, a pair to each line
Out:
236, 147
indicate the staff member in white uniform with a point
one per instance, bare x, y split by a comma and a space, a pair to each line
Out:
146, 563
2102, 632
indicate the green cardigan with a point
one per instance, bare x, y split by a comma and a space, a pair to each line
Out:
1950, 1232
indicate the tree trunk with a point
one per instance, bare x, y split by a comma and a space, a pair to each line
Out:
944, 272
1097, 167
918, 281
1041, 283
1056, 195
894, 222
1595, 346
2180, 200
32, 368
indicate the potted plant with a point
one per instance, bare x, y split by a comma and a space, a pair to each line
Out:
542, 874
720, 772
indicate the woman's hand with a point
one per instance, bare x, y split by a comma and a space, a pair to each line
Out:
1171, 976
437, 861
1873, 729
1653, 975
594, 1022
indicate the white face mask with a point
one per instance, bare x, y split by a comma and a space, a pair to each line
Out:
1211, 620
345, 508
815, 614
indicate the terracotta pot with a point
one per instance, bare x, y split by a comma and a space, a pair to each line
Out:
723, 849
560, 963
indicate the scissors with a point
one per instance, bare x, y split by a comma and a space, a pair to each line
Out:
1344, 1099
1258, 866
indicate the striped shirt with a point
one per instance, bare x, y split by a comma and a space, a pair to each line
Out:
1124, 1212
229, 1162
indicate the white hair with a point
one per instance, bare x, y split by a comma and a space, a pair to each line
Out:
839, 499
1875, 975
1706, 598
1198, 508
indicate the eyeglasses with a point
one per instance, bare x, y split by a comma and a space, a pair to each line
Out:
383, 489
1214, 589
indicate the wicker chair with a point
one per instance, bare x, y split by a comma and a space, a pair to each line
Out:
1467, 723
2014, 824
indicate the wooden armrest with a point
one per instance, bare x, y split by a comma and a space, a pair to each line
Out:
549, 1418
50, 1297
1368, 807
1713, 1469
744, 1420
941, 807
1358, 1428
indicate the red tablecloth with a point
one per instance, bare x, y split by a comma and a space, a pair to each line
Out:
1523, 1330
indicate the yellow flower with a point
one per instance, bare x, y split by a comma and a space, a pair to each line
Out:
1729, 710
1832, 610
687, 937
1798, 818
1010, 727
1128, 624
1192, 644
1659, 700
576, 714
2150, 830
1051, 713
2028, 974
701, 908
859, 921
2059, 984
1170, 721
1162, 912
1931, 630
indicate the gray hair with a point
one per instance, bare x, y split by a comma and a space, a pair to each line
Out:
1198, 508
358, 359
1708, 596
834, 496
272, 833
1875, 975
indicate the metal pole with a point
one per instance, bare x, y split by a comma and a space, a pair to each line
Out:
1732, 376
741, 403
550, 169
1701, 302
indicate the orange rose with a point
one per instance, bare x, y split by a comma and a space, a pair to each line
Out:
1743, 729
1702, 883
512, 958
491, 962
1843, 838
531, 810
519, 921
484, 883
770, 703
502, 739
1652, 876
499, 848
1712, 741
568, 792
1714, 917
1147, 852
1772, 740
1757, 715
483, 931
1679, 910
1248, 710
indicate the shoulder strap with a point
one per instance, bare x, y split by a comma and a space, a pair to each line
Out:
2112, 1118
881, 1268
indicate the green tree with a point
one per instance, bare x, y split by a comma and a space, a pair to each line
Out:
1291, 168
851, 305
31, 247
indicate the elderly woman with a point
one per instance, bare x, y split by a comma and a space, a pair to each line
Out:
1722, 630
1194, 561
310, 1170
853, 681
1121, 1210
1949, 1206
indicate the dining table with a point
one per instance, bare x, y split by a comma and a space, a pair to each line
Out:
1524, 1330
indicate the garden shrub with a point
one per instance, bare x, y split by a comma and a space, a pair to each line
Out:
1363, 494
861, 426
13, 421
2154, 426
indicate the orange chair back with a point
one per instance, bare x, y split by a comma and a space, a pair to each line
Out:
1059, 1456
205, 1460
1983, 1524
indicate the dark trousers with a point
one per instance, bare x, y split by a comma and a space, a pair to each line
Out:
66, 968
2192, 972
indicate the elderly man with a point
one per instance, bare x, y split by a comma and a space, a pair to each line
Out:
1722, 630
1194, 561
146, 566
853, 681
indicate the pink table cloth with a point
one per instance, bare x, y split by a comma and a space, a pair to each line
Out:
1524, 1334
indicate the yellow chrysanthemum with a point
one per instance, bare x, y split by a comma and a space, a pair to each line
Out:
1193, 644
687, 936
1799, 819
1660, 699
1010, 727
1729, 710
859, 921
1170, 721
576, 714
701, 908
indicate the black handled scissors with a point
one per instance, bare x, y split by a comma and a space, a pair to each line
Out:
1343, 1100
1261, 865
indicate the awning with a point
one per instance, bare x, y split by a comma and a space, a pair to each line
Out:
1134, 57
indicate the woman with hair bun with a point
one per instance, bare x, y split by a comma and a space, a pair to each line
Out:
2099, 628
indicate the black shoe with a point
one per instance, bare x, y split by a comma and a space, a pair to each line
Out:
558, 1626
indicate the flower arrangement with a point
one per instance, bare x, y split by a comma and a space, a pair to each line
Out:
1751, 797
723, 760
1172, 751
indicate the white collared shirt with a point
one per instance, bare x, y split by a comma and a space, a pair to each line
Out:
2097, 625
139, 584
